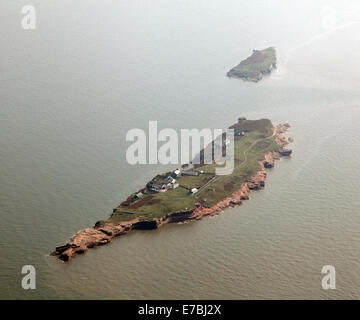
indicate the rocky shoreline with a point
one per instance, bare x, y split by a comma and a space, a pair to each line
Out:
100, 235
255, 67
253, 78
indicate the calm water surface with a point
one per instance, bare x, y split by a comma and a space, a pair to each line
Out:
72, 88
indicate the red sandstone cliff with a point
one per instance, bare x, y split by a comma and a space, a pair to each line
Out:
97, 236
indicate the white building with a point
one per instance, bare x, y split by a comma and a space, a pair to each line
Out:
174, 186
170, 180
177, 173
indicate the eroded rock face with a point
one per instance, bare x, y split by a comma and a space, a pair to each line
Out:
97, 236
101, 235
281, 140
285, 152
90, 238
145, 225
179, 216
269, 161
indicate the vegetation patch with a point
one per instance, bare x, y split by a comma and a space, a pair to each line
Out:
254, 67
249, 148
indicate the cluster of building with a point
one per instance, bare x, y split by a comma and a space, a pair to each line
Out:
168, 183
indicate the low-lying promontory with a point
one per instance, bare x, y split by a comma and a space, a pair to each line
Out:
260, 63
191, 192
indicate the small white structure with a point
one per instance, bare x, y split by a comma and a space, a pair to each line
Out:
193, 190
170, 180
177, 173
173, 186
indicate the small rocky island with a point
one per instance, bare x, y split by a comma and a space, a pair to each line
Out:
193, 191
260, 63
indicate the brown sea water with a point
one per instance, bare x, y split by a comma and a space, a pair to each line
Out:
72, 88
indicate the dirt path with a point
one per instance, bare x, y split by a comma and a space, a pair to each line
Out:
238, 166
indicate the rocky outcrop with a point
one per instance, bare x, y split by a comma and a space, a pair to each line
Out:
253, 77
280, 139
253, 69
179, 216
97, 236
269, 161
145, 225
101, 235
285, 152
90, 238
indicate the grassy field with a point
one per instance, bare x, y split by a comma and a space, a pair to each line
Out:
258, 63
256, 143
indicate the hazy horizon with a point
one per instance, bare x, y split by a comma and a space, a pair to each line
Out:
72, 88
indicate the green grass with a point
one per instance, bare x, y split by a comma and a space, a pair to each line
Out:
155, 205
258, 63
194, 182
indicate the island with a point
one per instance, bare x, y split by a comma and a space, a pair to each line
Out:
260, 63
192, 191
